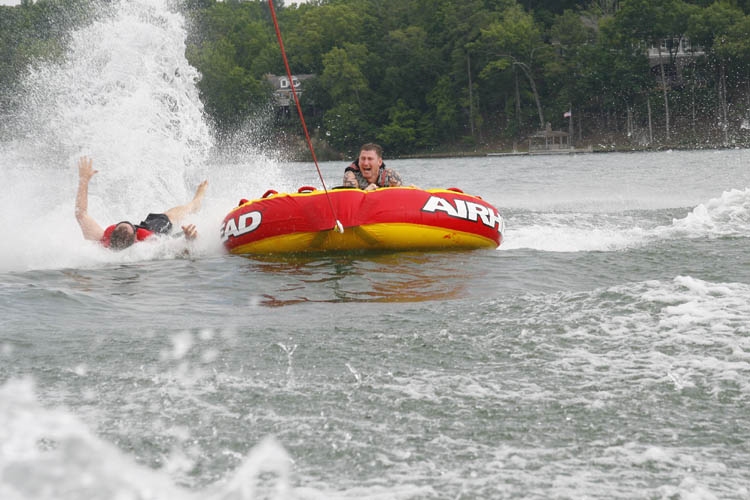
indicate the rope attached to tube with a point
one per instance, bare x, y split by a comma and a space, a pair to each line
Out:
338, 226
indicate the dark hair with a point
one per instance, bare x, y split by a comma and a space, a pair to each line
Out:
371, 146
123, 235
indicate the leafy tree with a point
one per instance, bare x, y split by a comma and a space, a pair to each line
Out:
342, 75
229, 92
652, 21
446, 108
245, 27
400, 134
413, 66
511, 45
617, 78
345, 127
321, 29
463, 23
572, 41
710, 28
546, 10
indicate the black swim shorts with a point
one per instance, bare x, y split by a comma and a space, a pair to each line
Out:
158, 223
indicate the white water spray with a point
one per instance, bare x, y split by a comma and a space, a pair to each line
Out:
125, 95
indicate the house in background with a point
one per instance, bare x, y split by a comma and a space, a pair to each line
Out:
678, 48
282, 88
676, 53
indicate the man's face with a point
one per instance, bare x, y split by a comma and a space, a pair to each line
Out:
369, 164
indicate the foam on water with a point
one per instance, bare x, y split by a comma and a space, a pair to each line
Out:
725, 216
573, 232
684, 334
51, 454
500, 419
631, 353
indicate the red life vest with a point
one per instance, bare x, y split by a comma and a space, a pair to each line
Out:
140, 234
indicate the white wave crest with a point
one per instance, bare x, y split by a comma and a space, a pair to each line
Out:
727, 215
575, 232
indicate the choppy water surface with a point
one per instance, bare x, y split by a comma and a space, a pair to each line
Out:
602, 352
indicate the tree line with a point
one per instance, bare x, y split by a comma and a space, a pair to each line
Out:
431, 75
33, 32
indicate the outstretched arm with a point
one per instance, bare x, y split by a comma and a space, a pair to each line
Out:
89, 227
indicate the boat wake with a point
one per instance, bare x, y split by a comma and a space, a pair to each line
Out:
51, 454
725, 216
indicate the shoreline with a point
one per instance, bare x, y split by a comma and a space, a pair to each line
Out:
501, 153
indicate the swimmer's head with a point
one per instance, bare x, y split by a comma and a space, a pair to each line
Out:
123, 235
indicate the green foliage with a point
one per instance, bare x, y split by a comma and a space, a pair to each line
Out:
516, 34
710, 25
514, 44
229, 92
321, 29
418, 73
734, 44
346, 127
33, 32
413, 67
445, 108
400, 134
233, 48
342, 74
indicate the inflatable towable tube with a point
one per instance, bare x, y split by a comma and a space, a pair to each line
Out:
400, 218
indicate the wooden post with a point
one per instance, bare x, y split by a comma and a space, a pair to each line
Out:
650, 129
471, 98
570, 125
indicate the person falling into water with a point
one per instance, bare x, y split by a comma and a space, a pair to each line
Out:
123, 234
368, 172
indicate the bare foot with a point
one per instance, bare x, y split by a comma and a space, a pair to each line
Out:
195, 205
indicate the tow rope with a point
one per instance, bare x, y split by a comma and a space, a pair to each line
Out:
338, 227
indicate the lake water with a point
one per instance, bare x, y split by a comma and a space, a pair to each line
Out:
603, 351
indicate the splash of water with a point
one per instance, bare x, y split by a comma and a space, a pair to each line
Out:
51, 454
125, 95
726, 215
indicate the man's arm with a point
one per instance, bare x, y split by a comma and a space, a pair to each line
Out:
350, 180
394, 180
89, 227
